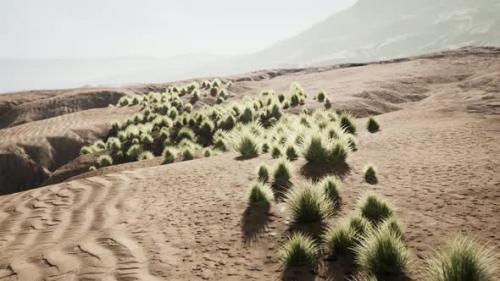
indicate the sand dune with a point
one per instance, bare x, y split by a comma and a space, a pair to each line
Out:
438, 163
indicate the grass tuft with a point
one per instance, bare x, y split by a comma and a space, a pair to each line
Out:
299, 250
306, 203
104, 160
282, 173
372, 125
168, 155
260, 194
263, 173
370, 172
374, 208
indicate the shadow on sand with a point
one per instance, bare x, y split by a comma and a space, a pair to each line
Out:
316, 172
255, 220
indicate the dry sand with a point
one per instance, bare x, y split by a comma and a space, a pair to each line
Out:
437, 156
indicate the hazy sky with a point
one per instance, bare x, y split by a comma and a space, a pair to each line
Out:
111, 28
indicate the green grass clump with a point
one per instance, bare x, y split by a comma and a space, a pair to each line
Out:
331, 188
282, 173
370, 172
307, 204
360, 225
347, 123
185, 133
114, 144
145, 155
321, 96
340, 239
276, 152
291, 153
207, 152
393, 225
92, 168
260, 194
248, 146
187, 154
86, 150
263, 173
328, 103
374, 208
299, 250
104, 160
372, 125
168, 155
382, 253
316, 150
134, 151
462, 259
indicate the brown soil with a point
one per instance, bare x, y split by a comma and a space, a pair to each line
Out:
437, 156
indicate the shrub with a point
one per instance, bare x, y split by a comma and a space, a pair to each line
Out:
134, 151
123, 101
228, 123
370, 172
263, 173
260, 194
316, 150
381, 253
331, 188
338, 153
328, 103
291, 153
307, 204
86, 150
276, 152
207, 152
168, 155
220, 144
145, 155
205, 133
282, 173
360, 225
147, 139
347, 123
114, 144
187, 154
172, 113
321, 97
247, 146
185, 133
99, 145
340, 239
265, 148
92, 168
281, 98
374, 208
104, 160
299, 250
247, 115
372, 125
294, 100
462, 260
392, 224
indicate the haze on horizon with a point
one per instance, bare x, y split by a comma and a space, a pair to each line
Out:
32, 29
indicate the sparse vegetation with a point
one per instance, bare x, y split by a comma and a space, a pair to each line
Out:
321, 96
347, 123
104, 160
340, 239
331, 189
282, 173
291, 153
145, 155
187, 154
372, 125
276, 152
307, 204
247, 146
462, 259
260, 194
374, 208
168, 155
299, 250
263, 173
370, 172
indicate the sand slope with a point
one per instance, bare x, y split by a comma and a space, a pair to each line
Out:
438, 164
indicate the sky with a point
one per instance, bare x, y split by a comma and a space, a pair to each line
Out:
154, 28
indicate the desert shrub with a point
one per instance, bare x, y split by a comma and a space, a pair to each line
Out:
168, 155
340, 239
228, 123
360, 225
220, 144
370, 172
104, 160
265, 147
263, 173
276, 152
99, 145
307, 204
187, 154
260, 194
207, 152
147, 139
205, 132
281, 98
185, 133
294, 100
92, 168
321, 96
86, 150
145, 155
123, 101
338, 153
462, 259
134, 151
173, 113
248, 146
114, 144
331, 188
392, 224
282, 173
316, 150
352, 142
247, 115
347, 123
291, 153
299, 250
374, 208
372, 125
382, 253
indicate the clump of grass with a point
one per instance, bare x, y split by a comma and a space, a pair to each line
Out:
299, 250
207, 152
282, 173
248, 146
382, 253
92, 168
340, 239
328, 103
134, 151
276, 152
331, 188
104, 160
265, 147
360, 225
374, 208
316, 150
372, 125
260, 194
393, 225
263, 173
168, 155
291, 153
187, 154
145, 155
307, 204
370, 172
462, 259
86, 150
347, 123
321, 96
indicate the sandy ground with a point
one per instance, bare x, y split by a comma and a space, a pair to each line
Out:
438, 161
